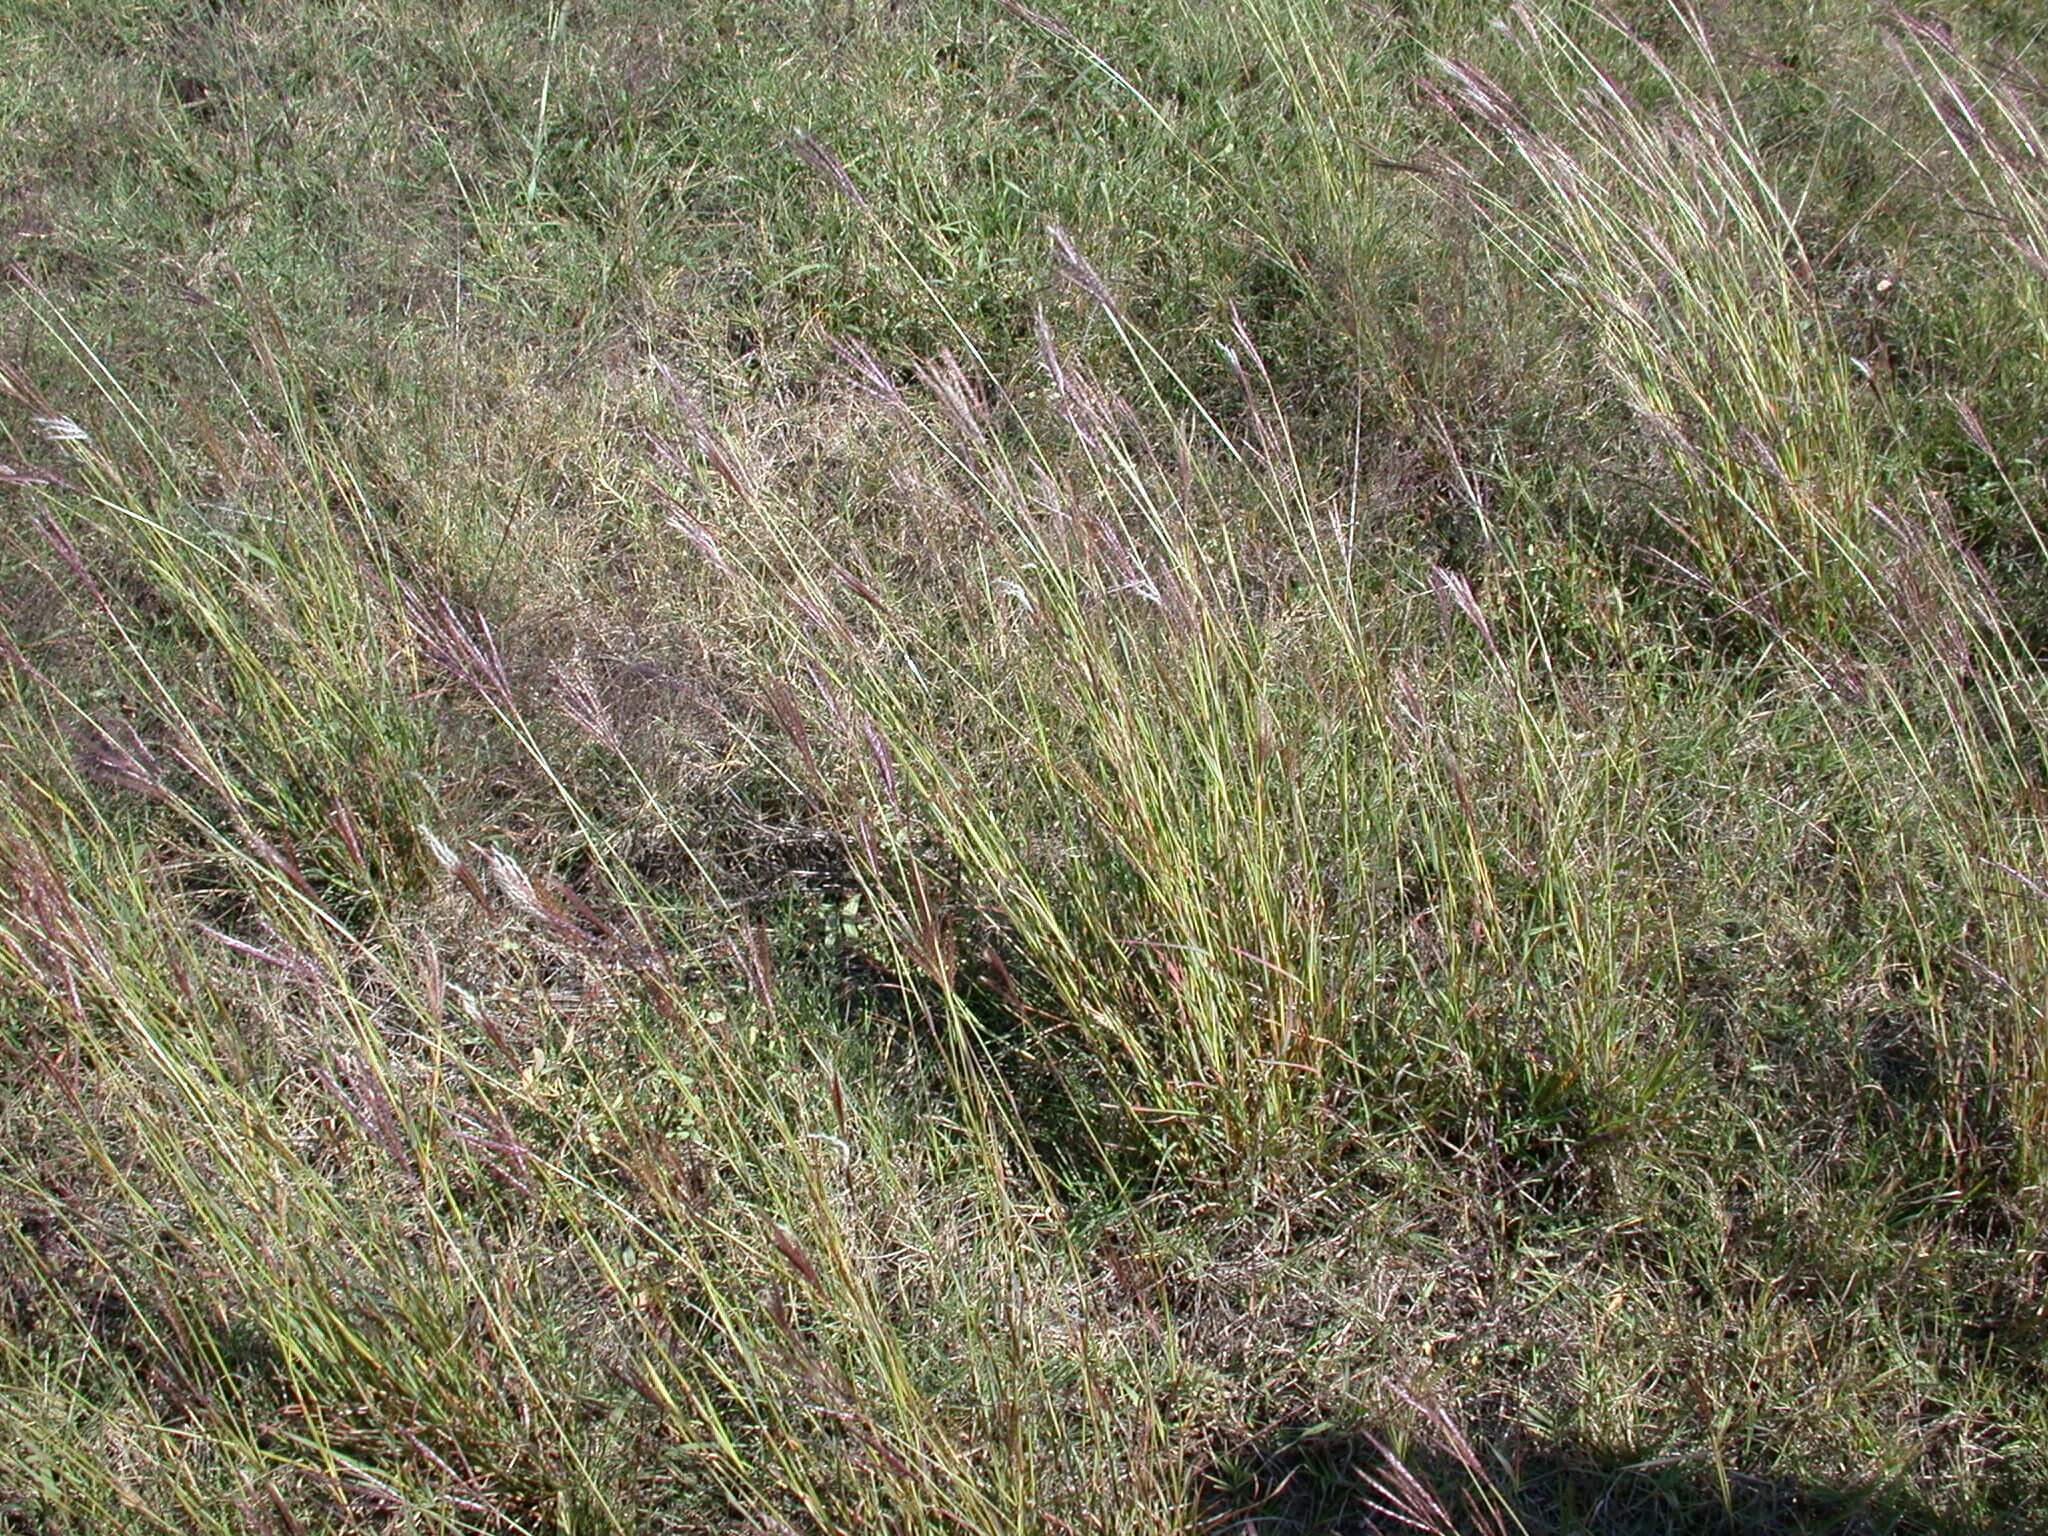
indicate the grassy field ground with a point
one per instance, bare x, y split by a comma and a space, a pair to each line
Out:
925, 766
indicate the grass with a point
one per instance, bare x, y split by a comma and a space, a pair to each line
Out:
968, 767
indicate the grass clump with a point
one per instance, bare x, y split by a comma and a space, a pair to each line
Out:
1144, 767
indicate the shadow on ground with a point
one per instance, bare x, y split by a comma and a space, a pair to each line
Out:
1319, 1483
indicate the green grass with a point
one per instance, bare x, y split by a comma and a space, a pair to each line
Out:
1149, 766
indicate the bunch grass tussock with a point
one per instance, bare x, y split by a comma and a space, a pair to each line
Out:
997, 768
